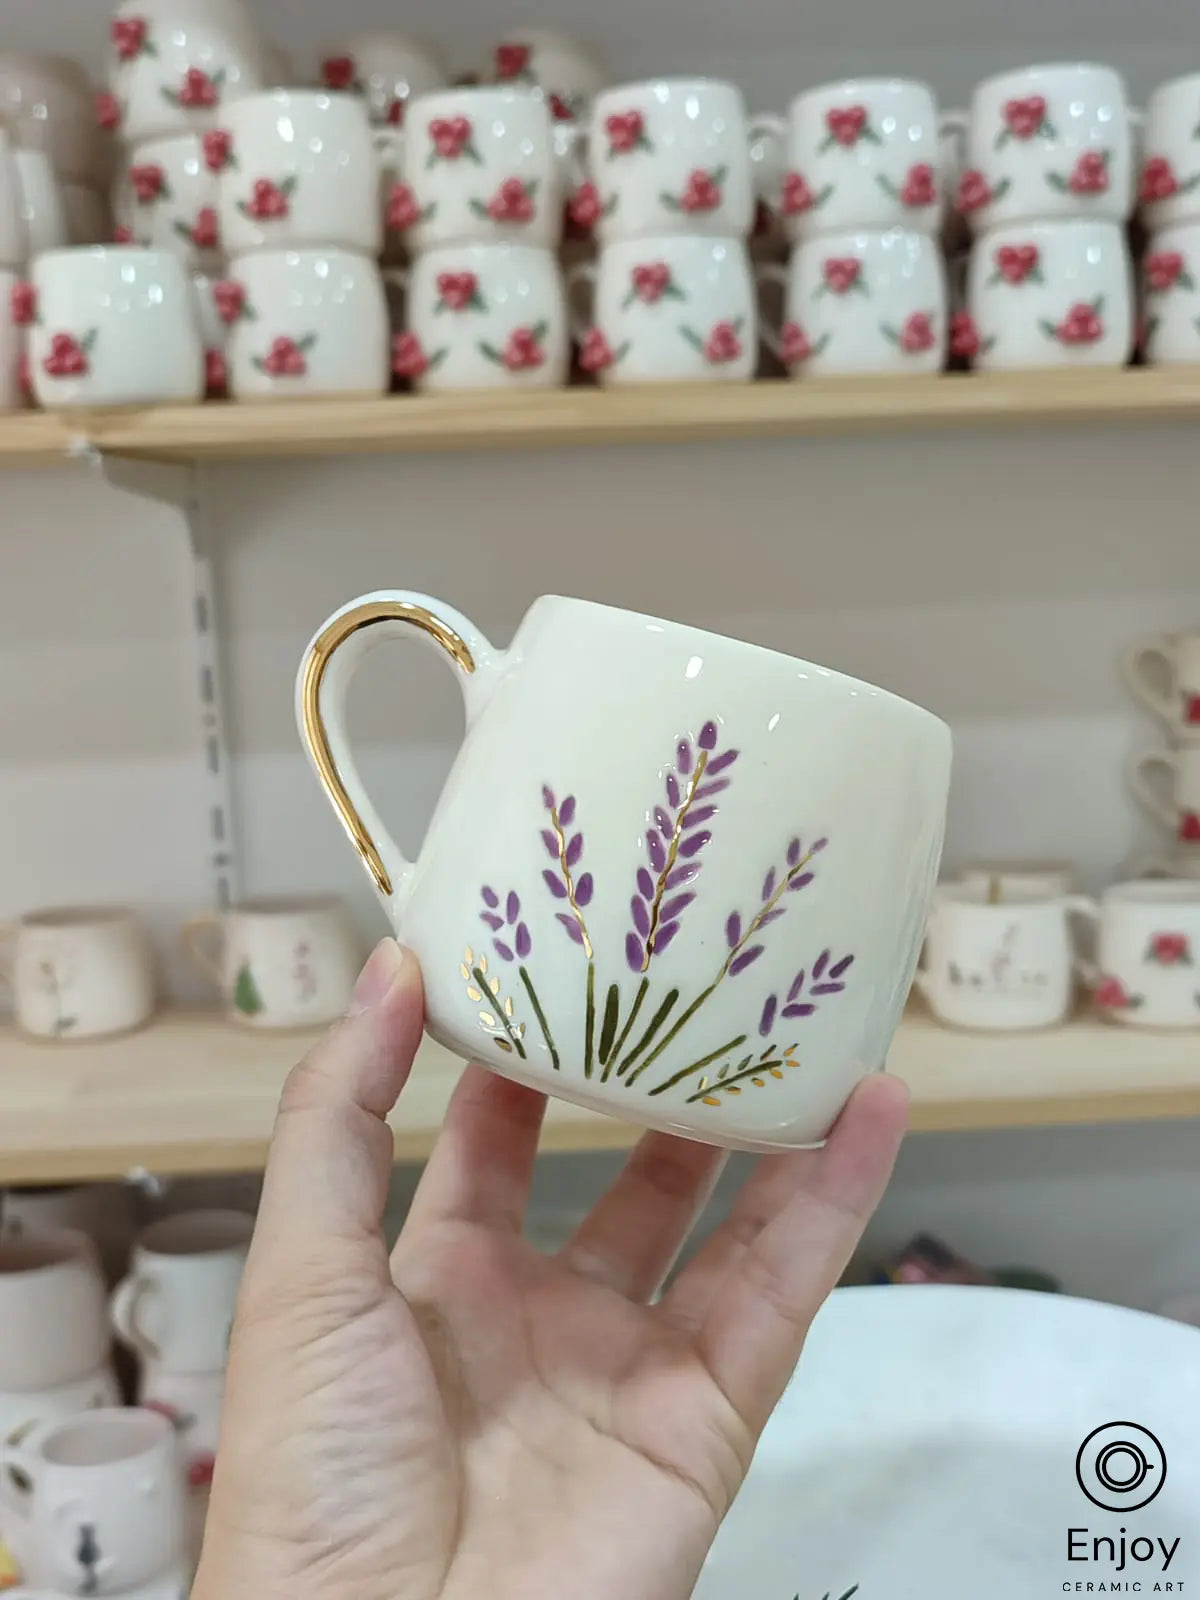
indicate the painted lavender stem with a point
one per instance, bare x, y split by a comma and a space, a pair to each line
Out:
512, 941
566, 850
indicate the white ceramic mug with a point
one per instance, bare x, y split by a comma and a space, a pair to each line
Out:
21, 1411
1147, 971
176, 66
1169, 184
104, 1211
669, 309
279, 963
387, 68
102, 1494
1049, 294
191, 1402
1003, 880
1002, 967
1177, 772
80, 972
1048, 142
862, 302
53, 1327
14, 241
480, 168
176, 1306
568, 72
302, 171
305, 322
43, 213
116, 326
670, 154
484, 316
1171, 296
168, 197
658, 923
1164, 673
862, 153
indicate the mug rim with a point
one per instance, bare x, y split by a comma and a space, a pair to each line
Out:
1185, 80
46, 1250
77, 917
102, 252
1038, 68
146, 1430
189, 1234
976, 895
855, 85
476, 93
283, 905
1157, 894
670, 80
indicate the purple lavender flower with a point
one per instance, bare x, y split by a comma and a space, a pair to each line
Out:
516, 941
823, 980
738, 934
565, 849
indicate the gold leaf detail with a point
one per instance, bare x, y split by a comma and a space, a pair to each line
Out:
732, 1088
487, 1019
519, 1030
483, 964
711, 1100
468, 957
494, 985
505, 1046
758, 1083
703, 1084
775, 1072
473, 993
723, 1071
508, 1008
462, 972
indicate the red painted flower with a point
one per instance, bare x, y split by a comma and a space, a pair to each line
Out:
129, 35
1170, 949
974, 191
651, 280
794, 345
268, 202
511, 61
846, 123
200, 1470
920, 188
797, 196
585, 207
1189, 827
122, 233
216, 372
339, 72
408, 359
456, 290
1164, 268
108, 111
522, 350
23, 301
395, 114
964, 335
1024, 118
230, 299
149, 182
285, 359
402, 210
625, 130
1081, 325
1191, 708
595, 352
1090, 173
841, 273
560, 110
450, 135
197, 90
206, 234
1158, 180
512, 202
1015, 262
218, 149
1111, 993
722, 344
701, 193
917, 334
67, 358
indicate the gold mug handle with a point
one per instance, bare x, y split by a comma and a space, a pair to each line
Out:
329, 665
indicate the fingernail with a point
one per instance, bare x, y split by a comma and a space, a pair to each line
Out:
377, 977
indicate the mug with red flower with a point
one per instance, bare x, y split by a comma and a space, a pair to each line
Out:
1169, 176
862, 301
191, 1402
168, 197
113, 325
1046, 142
1049, 294
299, 168
666, 309
483, 316
1164, 673
1147, 966
565, 70
862, 153
304, 322
1166, 783
176, 65
387, 68
1171, 295
668, 155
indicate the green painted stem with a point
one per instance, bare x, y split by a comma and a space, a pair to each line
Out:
738, 1077
680, 1022
615, 1053
656, 1022
499, 1010
609, 1025
590, 1026
698, 1066
541, 1016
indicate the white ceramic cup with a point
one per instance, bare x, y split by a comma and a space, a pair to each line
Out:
15, 314
104, 1211
1167, 784
21, 1411
1048, 142
278, 963
1003, 880
1148, 962
864, 301
169, 198
1050, 294
668, 309
302, 170
567, 71
53, 1327
480, 168
484, 316
177, 64
1006, 966
104, 1502
305, 322
668, 155
1171, 296
862, 153
1169, 183
116, 326
387, 68
14, 241
647, 922
80, 972
43, 213
191, 1402
176, 1306
1164, 673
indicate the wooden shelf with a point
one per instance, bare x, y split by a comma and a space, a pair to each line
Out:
225, 432
193, 1094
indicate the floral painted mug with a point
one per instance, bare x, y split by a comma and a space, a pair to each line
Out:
174, 66
1147, 971
1167, 784
387, 68
483, 316
1169, 184
672, 877
79, 972
167, 198
1171, 296
1164, 673
863, 301
568, 72
278, 963
668, 309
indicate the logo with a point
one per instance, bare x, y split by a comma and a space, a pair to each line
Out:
1121, 1467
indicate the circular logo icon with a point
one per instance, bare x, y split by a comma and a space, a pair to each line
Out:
1121, 1466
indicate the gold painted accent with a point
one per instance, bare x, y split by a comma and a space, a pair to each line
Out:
711, 1100
473, 993
462, 971
494, 986
488, 1019
660, 888
483, 965
320, 655
508, 1008
503, 1045
566, 871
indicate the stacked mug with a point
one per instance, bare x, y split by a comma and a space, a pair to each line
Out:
1164, 673
862, 203
1047, 188
1169, 192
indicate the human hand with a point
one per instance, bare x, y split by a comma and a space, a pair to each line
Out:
469, 1417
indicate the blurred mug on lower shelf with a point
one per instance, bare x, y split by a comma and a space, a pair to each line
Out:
53, 1323
1005, 880
278, 963
1167, 784
176, 1306
1000, 966
1147, 970
79, 972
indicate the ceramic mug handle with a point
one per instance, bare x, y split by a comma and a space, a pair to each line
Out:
583, 272
767, 137
124, 1308
775, 273
194, 938
1137, 774
1134, 663
1087, 911
329, 665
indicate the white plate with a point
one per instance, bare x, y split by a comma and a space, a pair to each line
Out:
926, 1450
